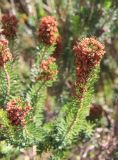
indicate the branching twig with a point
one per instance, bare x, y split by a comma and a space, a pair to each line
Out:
8, 80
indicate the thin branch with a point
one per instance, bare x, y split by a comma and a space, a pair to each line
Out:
8, 80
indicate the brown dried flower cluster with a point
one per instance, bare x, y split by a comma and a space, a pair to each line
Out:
9, 25
47, 31
5, 54
88, 54
17, 112
48, 69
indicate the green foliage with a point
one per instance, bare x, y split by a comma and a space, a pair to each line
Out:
37, 96
72, 120
83, 111
6, 129
3, 87
15, 86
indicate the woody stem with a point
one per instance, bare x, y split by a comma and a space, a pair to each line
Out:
7, 79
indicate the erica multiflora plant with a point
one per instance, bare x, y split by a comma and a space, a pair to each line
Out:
22, 114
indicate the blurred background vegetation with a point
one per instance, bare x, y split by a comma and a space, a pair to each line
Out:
76, 19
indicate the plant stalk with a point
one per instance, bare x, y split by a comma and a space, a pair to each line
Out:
8, 80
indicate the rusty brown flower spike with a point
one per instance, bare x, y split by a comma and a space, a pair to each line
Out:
47, 31
5, 54
88, 54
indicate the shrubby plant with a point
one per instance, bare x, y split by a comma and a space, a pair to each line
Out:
22, 112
